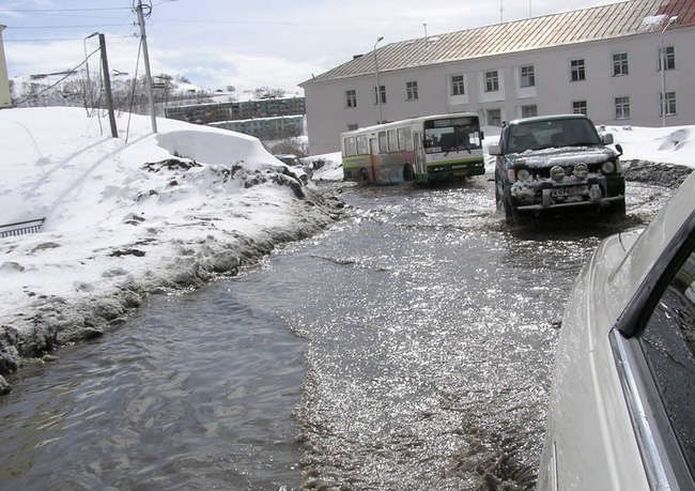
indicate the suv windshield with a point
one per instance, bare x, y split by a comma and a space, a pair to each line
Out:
535, 135
448, 135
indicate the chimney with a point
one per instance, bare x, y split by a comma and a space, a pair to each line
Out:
354, 57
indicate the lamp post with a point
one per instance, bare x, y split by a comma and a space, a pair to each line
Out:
662, 63
376, 75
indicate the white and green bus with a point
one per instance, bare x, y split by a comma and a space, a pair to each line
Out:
425, 149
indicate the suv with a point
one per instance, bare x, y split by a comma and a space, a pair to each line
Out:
554, 162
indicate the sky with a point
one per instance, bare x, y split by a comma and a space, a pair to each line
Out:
216, 43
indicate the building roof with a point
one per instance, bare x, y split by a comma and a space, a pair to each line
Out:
577, 26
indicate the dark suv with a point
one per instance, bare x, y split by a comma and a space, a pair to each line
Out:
555, 162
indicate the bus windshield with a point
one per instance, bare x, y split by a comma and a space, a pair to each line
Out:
452, 135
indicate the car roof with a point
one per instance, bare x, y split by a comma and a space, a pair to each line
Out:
550, 117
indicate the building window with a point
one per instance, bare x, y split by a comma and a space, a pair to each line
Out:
577, 70
352, 127
620, 64
529, 111
668, 55
528, 76
351, 98
457, 86
579, 107
669, 104
492, 81
494, 117
381, 94
411, 91
622, 108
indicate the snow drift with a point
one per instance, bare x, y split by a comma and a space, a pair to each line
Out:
124, 220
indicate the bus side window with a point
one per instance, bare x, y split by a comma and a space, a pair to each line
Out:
350, 149
405, 139
393, 144
362, 145
383, 147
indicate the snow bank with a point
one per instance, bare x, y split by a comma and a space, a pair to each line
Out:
330, 166
671, 145
127, 219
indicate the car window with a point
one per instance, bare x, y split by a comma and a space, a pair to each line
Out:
536, 135
668, 343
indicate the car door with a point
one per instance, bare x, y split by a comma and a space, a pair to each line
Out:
654, 348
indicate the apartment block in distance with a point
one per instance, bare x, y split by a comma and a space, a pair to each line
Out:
624, 63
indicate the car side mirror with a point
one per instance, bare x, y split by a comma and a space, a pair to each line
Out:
482, 135
607, 139
494, 150
619, 148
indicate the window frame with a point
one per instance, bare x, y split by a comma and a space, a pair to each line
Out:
351, 98
412, 91
392, 140
382, 142
620, 104
621, 67
531, 78
586, 107
487, 116
458, 87
580, 70
523, 106
671, 103
492, 81
664, 462
670, 57
380, 92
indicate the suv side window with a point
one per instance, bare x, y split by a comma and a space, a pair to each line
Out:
668, 344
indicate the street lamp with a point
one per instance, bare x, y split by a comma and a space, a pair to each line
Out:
662, 63
376, 75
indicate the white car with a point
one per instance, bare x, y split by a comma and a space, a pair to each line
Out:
622, 411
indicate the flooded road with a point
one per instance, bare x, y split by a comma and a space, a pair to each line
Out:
408, 347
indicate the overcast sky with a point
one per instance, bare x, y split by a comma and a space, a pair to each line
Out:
248, 44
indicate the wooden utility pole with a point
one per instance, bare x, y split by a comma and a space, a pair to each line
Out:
146, 56
107, 85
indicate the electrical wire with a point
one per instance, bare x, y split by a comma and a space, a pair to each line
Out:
69, 73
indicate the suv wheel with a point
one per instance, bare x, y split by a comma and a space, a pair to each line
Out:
503, 200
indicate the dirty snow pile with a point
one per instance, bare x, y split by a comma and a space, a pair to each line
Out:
327, 167
123, 220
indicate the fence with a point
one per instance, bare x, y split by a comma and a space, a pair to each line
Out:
21, 228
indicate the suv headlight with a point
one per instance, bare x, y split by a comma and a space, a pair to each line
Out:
523, 175
557, 173
608, 167
581, 171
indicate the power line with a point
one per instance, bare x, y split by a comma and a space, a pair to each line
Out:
42, 40
70, 72
66, 10
74, 26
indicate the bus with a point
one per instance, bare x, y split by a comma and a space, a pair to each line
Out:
424, 149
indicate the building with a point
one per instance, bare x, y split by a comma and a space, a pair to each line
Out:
5, 98
274, 128
603, 61
205, 113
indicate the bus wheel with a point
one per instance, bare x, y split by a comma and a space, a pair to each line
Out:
364, 175
408, 173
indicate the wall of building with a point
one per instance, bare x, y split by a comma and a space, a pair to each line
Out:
5, 99
328, 114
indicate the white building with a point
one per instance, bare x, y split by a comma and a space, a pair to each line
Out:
603, 61
5, 99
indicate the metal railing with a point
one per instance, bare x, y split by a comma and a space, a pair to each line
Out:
21, 228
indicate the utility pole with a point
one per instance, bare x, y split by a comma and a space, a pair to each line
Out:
146, 56
107, 85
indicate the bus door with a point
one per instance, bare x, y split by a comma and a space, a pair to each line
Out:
420, 167
373, 157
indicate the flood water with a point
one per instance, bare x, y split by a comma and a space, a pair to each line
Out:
408, 347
